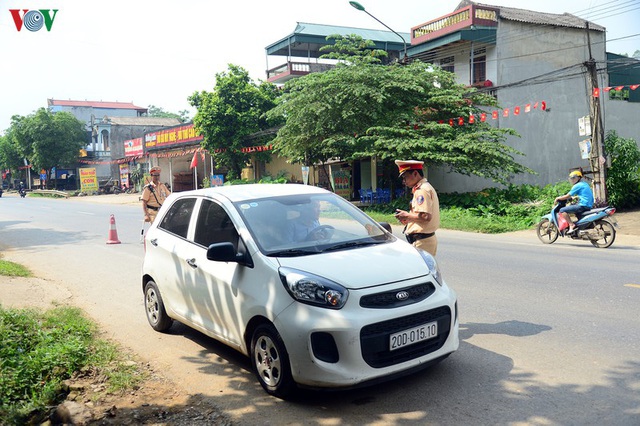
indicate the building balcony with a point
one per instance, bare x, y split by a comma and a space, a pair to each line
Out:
289, 70
469, 17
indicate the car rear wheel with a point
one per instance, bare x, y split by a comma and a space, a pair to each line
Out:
546, 231
270, 361
153, 305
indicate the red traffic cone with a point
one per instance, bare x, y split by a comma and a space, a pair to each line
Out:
113, 233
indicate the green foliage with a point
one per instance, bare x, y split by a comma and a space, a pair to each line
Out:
352, 49
491, 210
231, 113
46, 139
11, 269
391, 112
38, 351
623, 177
154, 111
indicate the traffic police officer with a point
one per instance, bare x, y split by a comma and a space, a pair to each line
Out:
153, 195
423, 219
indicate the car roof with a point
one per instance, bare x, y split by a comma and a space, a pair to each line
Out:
237, 193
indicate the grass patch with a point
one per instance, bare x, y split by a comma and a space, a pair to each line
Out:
40, 350
11, 269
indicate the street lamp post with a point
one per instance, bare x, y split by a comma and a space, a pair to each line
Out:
361, 8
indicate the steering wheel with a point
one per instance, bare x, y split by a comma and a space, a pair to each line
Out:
322, 232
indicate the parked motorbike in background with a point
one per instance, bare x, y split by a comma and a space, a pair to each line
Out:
595, 225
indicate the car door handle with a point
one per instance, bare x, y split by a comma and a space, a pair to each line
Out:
154, 241
192, 263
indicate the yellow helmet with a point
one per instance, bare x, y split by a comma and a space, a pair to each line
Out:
575, 173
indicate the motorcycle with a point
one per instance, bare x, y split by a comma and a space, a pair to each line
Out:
22, 192
595, 225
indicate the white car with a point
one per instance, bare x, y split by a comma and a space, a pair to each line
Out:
314, 291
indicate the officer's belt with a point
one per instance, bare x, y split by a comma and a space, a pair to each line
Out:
418, 236
153, 208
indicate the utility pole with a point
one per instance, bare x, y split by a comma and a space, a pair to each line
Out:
597, 156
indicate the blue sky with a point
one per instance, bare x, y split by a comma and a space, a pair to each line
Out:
158, 52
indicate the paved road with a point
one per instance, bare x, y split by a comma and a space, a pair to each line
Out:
543, 340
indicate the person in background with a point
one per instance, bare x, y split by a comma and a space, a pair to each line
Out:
153, 195
579, 189
301, 228
423, 219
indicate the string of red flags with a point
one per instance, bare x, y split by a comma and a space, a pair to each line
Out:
598, 90
494, 115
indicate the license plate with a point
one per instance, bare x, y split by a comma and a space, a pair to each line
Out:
413, 335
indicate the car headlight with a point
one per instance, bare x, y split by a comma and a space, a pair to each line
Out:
313, 289
432, 265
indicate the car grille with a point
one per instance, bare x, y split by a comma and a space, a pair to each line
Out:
374, 338
389, 299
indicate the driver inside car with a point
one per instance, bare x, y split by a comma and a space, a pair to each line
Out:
301, 228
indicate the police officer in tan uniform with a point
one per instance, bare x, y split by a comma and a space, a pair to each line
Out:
153, 195
423, 219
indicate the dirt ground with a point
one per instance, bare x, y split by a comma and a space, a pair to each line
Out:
157, 401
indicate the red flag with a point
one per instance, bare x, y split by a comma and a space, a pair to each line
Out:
606, 89
543, 105
460, 121
596, 92
619, 87
527, 108
194, 160
516, 111
451, 122
494, 115
634, 86
535, 106
483, 117
472, 119
505, 113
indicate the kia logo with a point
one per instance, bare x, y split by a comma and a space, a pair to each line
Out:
402, 295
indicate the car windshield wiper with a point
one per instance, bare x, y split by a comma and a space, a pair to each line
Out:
351, 244
293, 252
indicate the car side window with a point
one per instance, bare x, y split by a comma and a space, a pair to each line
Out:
177, 218
214, 226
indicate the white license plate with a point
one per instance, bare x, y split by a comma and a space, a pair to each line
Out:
413, 335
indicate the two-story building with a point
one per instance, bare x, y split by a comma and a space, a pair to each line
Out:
534, 63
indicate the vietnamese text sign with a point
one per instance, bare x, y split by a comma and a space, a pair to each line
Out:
88, 180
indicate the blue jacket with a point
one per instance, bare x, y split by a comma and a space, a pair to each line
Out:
584, 193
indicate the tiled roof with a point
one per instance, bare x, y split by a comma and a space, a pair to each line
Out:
533, 17
144, 121
94, 104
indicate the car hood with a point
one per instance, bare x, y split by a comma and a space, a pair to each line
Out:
364, 266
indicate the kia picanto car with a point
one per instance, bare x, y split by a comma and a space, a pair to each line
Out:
305, 284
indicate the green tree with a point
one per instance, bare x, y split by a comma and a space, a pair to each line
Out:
229, 115
623, 177
154, 111
390, 112
47, 139
352, 49
9, 156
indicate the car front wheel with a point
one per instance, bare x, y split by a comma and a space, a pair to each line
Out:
270, 361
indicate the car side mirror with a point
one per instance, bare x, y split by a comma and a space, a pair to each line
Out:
226, 252
386, 226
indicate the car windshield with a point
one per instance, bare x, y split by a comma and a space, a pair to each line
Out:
299, 225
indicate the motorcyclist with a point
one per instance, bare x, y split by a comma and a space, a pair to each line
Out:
579, 189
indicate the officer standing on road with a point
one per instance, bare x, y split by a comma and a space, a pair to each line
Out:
423, 219
153, 195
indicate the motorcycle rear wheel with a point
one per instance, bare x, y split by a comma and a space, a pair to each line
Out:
547, 231
606, 234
